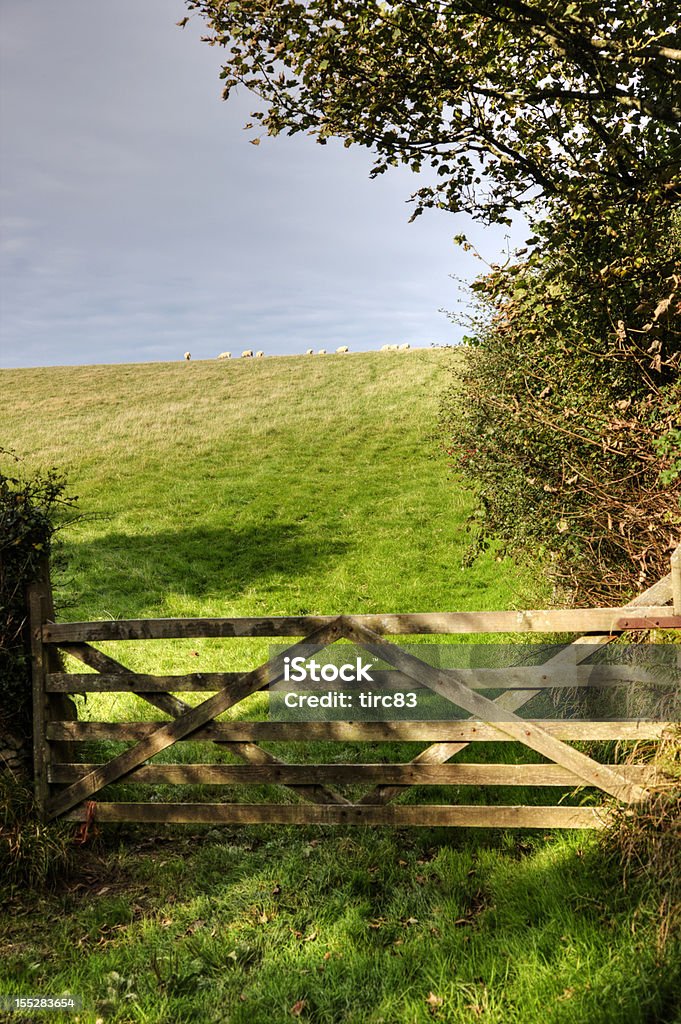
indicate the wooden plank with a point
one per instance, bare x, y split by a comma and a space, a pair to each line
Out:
429, 815
249, 752
46, 706
135, 682
316, 792
355, 774
533, 736
554, 620
436, 754
41, 749
528, 677
676, 580
165, 735
466, 731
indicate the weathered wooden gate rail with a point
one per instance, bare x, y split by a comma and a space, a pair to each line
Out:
66, 787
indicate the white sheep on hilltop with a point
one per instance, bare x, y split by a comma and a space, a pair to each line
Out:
259, 354
322, 352
247, 353
187, 356
309, 352
404, 348
225, 355
343, 348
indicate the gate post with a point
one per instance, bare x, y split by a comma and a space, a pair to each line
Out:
37, 616
676, 580
45, 658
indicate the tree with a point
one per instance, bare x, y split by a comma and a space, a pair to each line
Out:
503, 100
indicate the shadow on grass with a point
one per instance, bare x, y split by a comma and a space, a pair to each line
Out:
197, 561
256, 925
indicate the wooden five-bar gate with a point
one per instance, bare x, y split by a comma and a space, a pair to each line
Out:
67, 787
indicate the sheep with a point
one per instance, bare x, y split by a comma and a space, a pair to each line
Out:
309, 352
225, 355
187, 356
322, 352
247, 353
343, 348
404, 348
388, 348
259, 354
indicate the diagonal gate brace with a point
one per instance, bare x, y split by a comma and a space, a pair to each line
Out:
250, 752
167, 734
659, 593
446, 684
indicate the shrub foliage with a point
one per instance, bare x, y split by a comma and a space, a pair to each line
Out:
29, 508
567, 415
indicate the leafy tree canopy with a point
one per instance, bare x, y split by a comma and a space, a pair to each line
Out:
502, 101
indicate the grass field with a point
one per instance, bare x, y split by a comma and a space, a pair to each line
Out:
282, 485
290, 486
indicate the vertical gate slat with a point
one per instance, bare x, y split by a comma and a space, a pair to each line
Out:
38, 673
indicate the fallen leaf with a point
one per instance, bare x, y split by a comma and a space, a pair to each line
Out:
298, 1007
411, 920
311, 937
434, 1000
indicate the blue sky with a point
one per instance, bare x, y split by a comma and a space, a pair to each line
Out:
138, 221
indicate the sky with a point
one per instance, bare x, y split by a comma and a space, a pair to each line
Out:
137, 221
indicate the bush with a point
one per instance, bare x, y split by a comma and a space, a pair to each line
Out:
566, 415
643, 842
29, 510
30, 853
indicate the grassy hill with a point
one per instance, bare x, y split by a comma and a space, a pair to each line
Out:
280, 485
294, 485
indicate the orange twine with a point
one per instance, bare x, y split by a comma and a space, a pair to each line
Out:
83, 831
